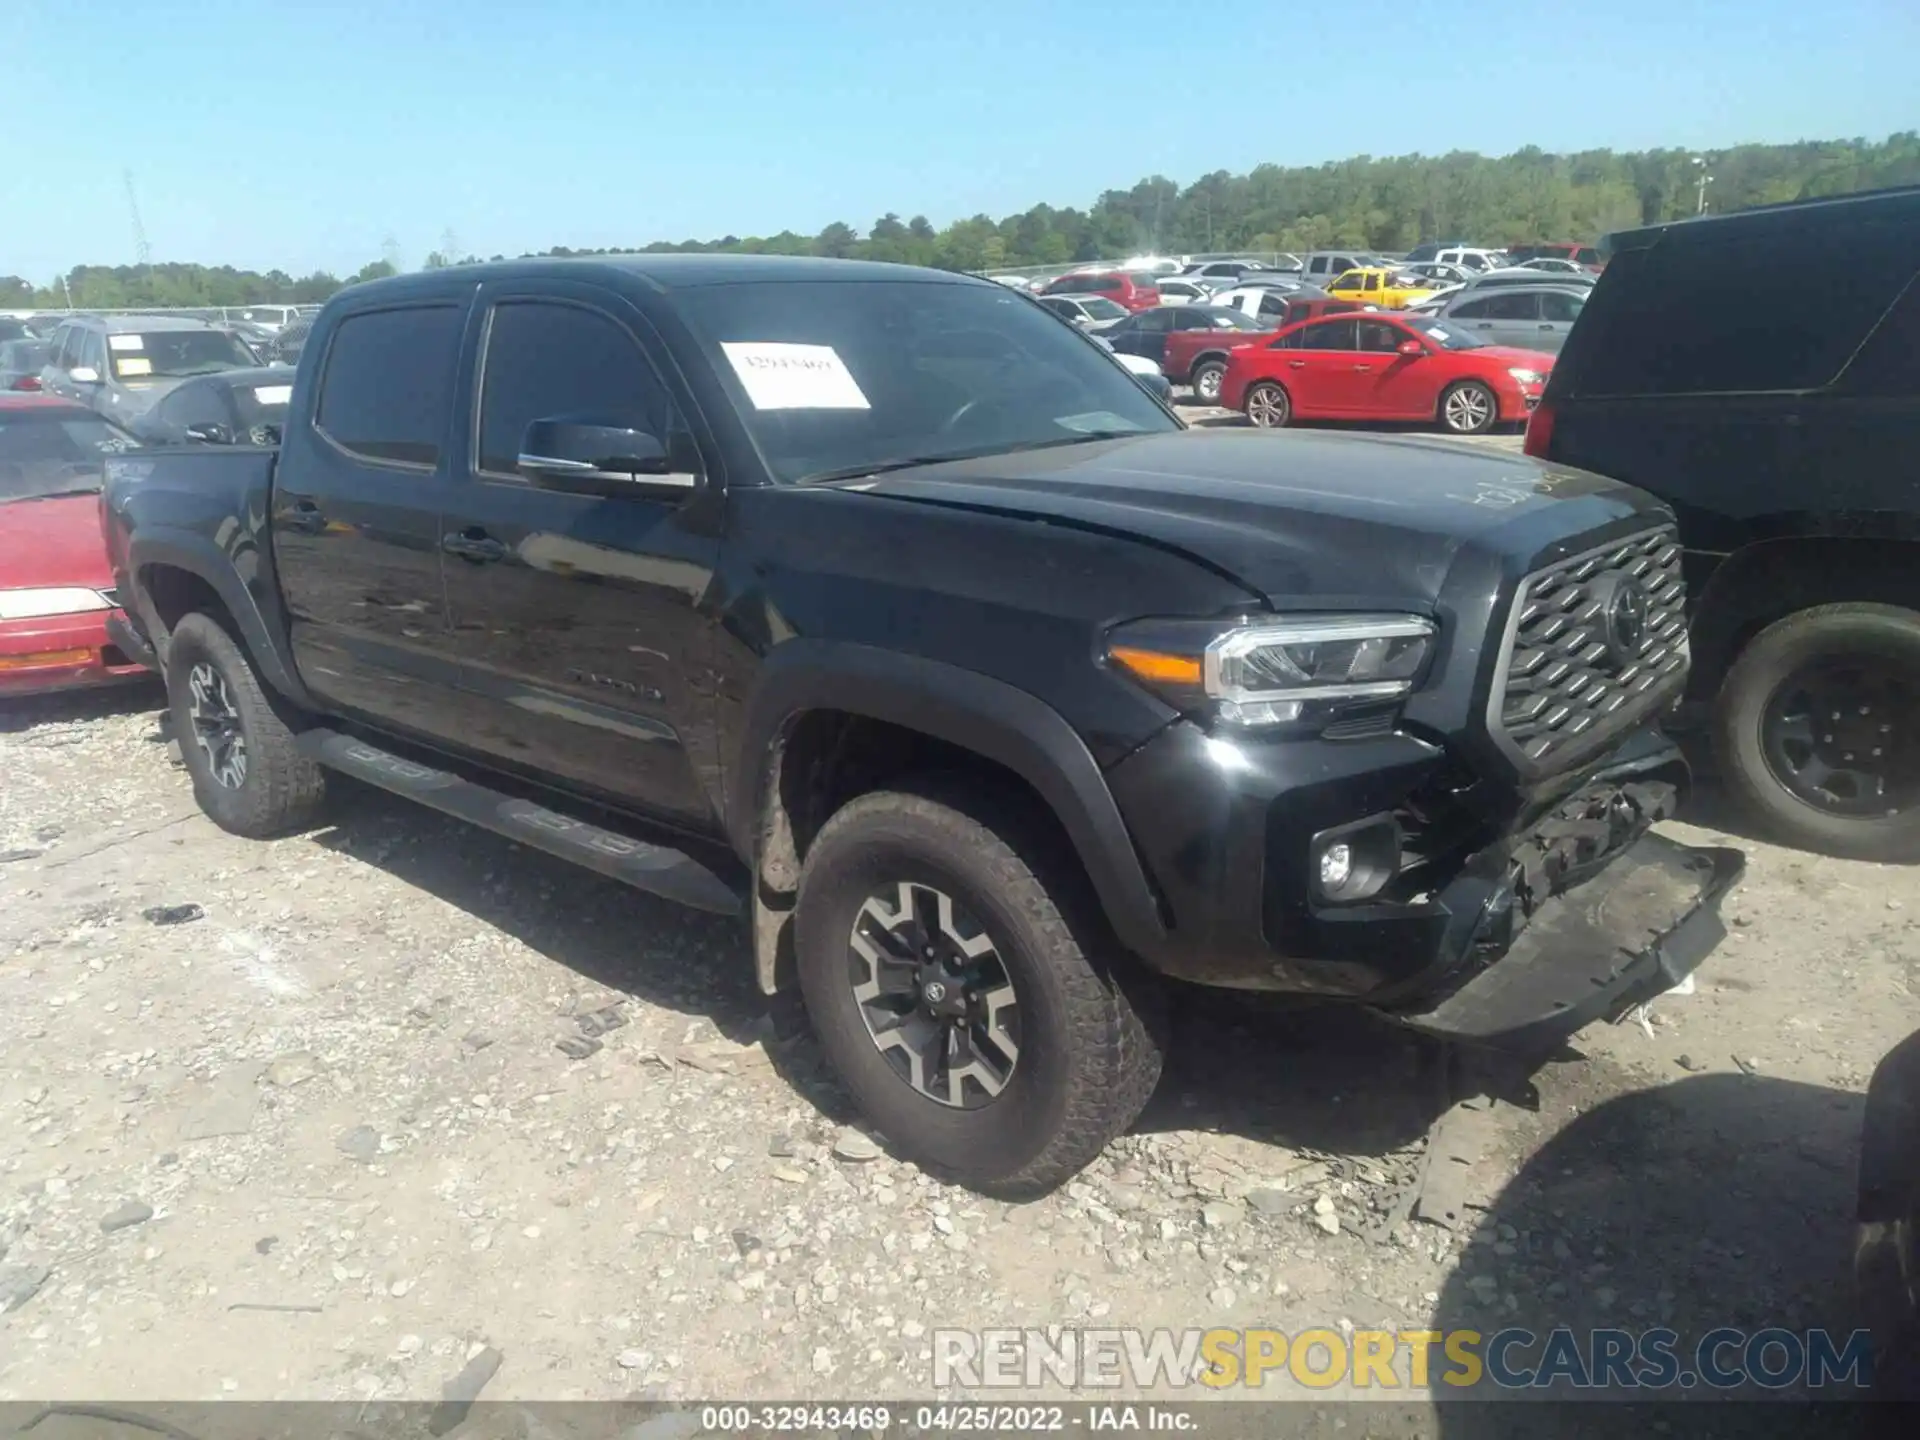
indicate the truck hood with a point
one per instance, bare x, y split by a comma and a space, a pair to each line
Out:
51, 542
1298, 518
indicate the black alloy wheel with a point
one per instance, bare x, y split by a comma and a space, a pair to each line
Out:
217, 729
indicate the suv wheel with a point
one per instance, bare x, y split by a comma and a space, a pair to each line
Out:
247, 775
1268, 405
962, 998
1817, 726
1468, 408
1205, 379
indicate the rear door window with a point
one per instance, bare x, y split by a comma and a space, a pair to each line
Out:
1327, 335
387, 390
1703, 319
1519, 306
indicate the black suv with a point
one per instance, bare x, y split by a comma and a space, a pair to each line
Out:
1760, 372
884, 606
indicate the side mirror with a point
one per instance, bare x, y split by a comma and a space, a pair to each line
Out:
84, 375
597, 458
1412, 349
210, 434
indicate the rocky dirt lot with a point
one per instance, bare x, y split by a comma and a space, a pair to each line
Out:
333, 1116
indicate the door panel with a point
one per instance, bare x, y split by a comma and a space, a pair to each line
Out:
356, 519
1515, 319
1394, 386
575, 618
1557, 314
1318, 373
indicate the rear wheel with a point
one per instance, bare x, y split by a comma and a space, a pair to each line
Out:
238, 747
1205, 379
1817, 726
1269, 406
972, 1007
1468, 408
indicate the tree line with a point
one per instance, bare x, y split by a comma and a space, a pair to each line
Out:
1386, 204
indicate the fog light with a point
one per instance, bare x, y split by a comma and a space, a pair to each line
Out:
1336, 866
1355, 862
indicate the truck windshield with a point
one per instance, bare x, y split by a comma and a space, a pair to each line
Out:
175, 354
837, 378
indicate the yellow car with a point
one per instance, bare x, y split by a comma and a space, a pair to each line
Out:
1388, 289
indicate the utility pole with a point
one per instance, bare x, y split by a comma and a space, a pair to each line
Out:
1703, 179
67, 290
143, 252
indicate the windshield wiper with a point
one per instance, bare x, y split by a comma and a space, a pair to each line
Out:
861, 472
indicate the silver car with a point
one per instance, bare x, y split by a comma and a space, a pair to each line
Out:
1527, 317
122, 366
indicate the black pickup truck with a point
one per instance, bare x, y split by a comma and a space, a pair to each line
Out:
882, 606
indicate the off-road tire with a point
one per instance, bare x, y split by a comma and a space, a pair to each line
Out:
283, 790
1739, 711
1093, 1031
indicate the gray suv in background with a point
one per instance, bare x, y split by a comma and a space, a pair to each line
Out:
123, 366
1531, 317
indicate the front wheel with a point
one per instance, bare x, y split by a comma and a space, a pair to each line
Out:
1817, 727
1468, 408
247, 773
1206, 379
1268, 406
965, 1001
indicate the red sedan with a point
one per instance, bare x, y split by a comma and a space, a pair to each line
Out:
1384, 367
1134, 291
56, 591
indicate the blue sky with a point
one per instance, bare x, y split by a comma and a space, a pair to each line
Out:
302, 135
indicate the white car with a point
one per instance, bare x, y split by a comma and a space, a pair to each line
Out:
1553, 266
1178, 290
1089, 312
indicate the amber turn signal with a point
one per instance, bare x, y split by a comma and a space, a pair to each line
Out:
1157, 667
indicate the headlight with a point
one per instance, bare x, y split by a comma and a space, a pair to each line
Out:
60, 600
1277, 672
1526, 376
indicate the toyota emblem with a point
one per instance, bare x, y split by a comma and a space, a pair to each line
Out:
1623, 617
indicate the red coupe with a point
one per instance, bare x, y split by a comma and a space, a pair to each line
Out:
56, 592
1384, 367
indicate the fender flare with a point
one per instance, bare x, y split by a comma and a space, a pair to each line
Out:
975, 712
199, 556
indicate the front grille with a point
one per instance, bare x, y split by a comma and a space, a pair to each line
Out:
1570, 675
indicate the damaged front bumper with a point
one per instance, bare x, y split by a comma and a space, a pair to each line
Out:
1608, 937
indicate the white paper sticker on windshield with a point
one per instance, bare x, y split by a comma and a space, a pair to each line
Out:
132, 365
1095, 422
778, 376
1434, 332
125, 342
273, 394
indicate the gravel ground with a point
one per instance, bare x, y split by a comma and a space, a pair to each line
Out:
292, 1120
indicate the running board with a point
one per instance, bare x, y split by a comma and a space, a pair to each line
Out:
656, 868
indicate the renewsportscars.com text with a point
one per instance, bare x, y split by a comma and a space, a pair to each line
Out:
1320, 1359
